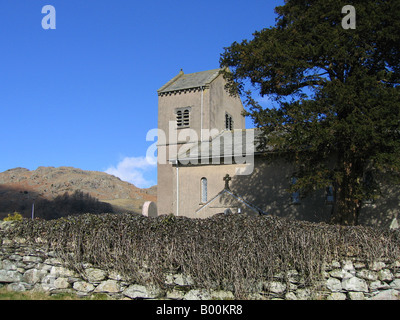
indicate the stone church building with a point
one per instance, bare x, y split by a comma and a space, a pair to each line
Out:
208, 162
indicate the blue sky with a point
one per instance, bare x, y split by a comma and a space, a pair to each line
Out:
85, 94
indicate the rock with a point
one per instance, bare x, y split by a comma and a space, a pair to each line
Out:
356, 296
376, 266
335, 264
5, 225
48, 283
290, 296
340, 274
53, 261
276, 287
334, 284
390, 294
108, 286
222, 295
395, 284
375, 285
95, 275
61, 283
303, 294
137, 291
197, 294
7, 242
83, 286
336, 296
62, 272
385, 275
16, 286
33, 276
359, 265
15, 257
354, 284
10, 276
33, 259
115, 276
394, 224
367, 275
8, 265
182, 280
20, 240
293, 276
175, 294
347, 265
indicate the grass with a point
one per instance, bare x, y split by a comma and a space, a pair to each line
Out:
126, 205
30, 295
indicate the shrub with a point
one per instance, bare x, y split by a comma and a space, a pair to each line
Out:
15, 217
217, 252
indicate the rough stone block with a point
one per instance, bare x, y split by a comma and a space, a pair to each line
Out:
334, 284
95, 275
10, 276
108, 286
83, 286
390, 294
355, 284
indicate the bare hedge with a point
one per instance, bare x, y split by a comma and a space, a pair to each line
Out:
218, 252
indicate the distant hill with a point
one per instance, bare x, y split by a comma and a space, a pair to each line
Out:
20, 187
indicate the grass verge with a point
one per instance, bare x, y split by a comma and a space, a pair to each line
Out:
30, 295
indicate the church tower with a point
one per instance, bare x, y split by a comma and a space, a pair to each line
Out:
194, 105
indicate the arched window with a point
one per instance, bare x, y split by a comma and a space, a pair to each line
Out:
228, 122
295, 193
179, 119
186, 117
183, 117
203, 190
330, 198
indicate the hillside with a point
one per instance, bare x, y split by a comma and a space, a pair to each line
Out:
20, 187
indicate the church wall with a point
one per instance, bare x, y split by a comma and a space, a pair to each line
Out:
215, 102
166, 185
190, 186
166, 174
384, 209
221, 102
266, 188
167, 105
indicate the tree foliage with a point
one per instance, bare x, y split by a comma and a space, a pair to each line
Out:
336, 113
66, 204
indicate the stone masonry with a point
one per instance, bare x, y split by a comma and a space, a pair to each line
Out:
26, 266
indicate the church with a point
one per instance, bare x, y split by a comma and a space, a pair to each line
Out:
209, 163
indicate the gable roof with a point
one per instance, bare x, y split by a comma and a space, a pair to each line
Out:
184, 81
235, 197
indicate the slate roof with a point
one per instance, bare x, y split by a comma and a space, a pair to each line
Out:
184, 81
226, 143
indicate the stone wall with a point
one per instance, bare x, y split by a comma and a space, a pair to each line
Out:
25, 266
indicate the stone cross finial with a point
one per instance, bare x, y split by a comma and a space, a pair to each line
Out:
227, 178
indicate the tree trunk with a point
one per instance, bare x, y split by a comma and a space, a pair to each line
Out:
345, 210
346, 207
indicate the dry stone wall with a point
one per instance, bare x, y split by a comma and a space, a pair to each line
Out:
26, 266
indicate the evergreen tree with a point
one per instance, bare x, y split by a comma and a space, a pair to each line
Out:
337, 110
